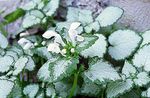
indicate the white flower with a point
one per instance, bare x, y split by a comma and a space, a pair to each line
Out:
57, 38
23, 41
73, 34
72, 50
74, 26
54, 48
28, 46
50, 33
25, 44
24, 34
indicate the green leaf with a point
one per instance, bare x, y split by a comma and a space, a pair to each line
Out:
90, 89
76, 14
100, 72
142, 58
3, 41
109, 16
5, 63
116, 88
16, 92
5, 88
97, 49
2, 30
62, 88
142, 79
20, 64
31, 90
123, 43
13, 16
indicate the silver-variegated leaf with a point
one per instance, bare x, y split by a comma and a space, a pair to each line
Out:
123, 43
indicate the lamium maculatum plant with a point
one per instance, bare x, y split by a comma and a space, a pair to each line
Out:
81, 56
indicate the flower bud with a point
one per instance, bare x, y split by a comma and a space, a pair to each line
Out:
72, 50
43, 43
63, 52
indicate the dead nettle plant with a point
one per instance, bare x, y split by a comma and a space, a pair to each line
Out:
80, 56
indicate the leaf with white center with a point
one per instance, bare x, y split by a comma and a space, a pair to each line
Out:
90, 89
146, 38
32, 18
30, 64
20, 64
40, 95
92, 26
117, 88
101, 72
97, 49
2, 52
44, 73
5, 88
50, 91
29, 6
142, 79
62, 68
16, 92
76, 14
89, 40
63, 88
31, 90
109, 16
16, 49
128, 69
5, 63
51, 7
146, 93
3, 41
42, 52
12, 54
123, 44
142, 58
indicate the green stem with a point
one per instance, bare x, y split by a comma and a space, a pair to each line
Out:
74, 85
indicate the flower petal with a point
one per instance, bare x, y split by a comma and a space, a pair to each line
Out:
23, 41
54, 48
48, 34
59, 40
73, 34
74, 25
28, 46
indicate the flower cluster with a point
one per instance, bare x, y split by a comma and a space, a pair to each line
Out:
59, 45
